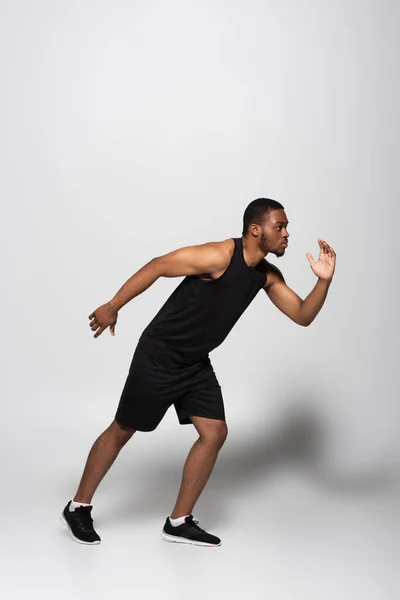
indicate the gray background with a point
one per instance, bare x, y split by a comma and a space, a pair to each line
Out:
130, 129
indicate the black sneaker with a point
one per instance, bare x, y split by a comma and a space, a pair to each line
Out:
80, 524
189, 533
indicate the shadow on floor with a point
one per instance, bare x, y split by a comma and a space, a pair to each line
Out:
299, 441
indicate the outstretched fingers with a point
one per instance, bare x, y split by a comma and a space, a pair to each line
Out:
326, 248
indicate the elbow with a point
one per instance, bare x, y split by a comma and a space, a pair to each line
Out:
301, 320
304, 323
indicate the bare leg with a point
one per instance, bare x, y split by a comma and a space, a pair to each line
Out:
101, 456
199, 463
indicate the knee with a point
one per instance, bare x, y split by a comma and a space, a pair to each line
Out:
215, 434
121, 433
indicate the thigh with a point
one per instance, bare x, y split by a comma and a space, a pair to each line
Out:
203, 397
147, 394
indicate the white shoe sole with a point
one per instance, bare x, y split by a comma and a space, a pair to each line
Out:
96, 543
182, 540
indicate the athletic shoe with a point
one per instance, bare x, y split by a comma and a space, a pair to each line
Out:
189, 533
80, 524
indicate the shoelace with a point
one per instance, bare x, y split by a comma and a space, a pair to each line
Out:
193, 523
84, 517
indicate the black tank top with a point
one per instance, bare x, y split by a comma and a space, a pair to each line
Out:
199, 314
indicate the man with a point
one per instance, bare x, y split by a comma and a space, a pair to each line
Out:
171, 363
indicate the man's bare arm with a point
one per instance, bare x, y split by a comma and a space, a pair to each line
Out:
190, 260
302, 312
135, 285
193, 260
314, 301
282, 295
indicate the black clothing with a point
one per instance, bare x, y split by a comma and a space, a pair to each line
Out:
199, 314
171, 363
157, 379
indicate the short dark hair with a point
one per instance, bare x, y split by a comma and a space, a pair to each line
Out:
258, 211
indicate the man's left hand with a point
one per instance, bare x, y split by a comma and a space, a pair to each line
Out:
324, 267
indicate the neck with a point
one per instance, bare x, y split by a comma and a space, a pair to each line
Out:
251, 252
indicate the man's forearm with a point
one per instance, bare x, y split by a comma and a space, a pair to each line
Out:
138, 283
314, 301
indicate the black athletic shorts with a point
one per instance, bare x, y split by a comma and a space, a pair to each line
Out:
159, 377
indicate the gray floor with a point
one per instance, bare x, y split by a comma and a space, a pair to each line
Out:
289, 528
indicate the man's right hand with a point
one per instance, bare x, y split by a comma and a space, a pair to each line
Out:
104, 316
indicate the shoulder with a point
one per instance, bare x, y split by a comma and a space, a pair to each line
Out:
224, 249
210, 257
273, 274
226, 246
222, 252
218, 255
